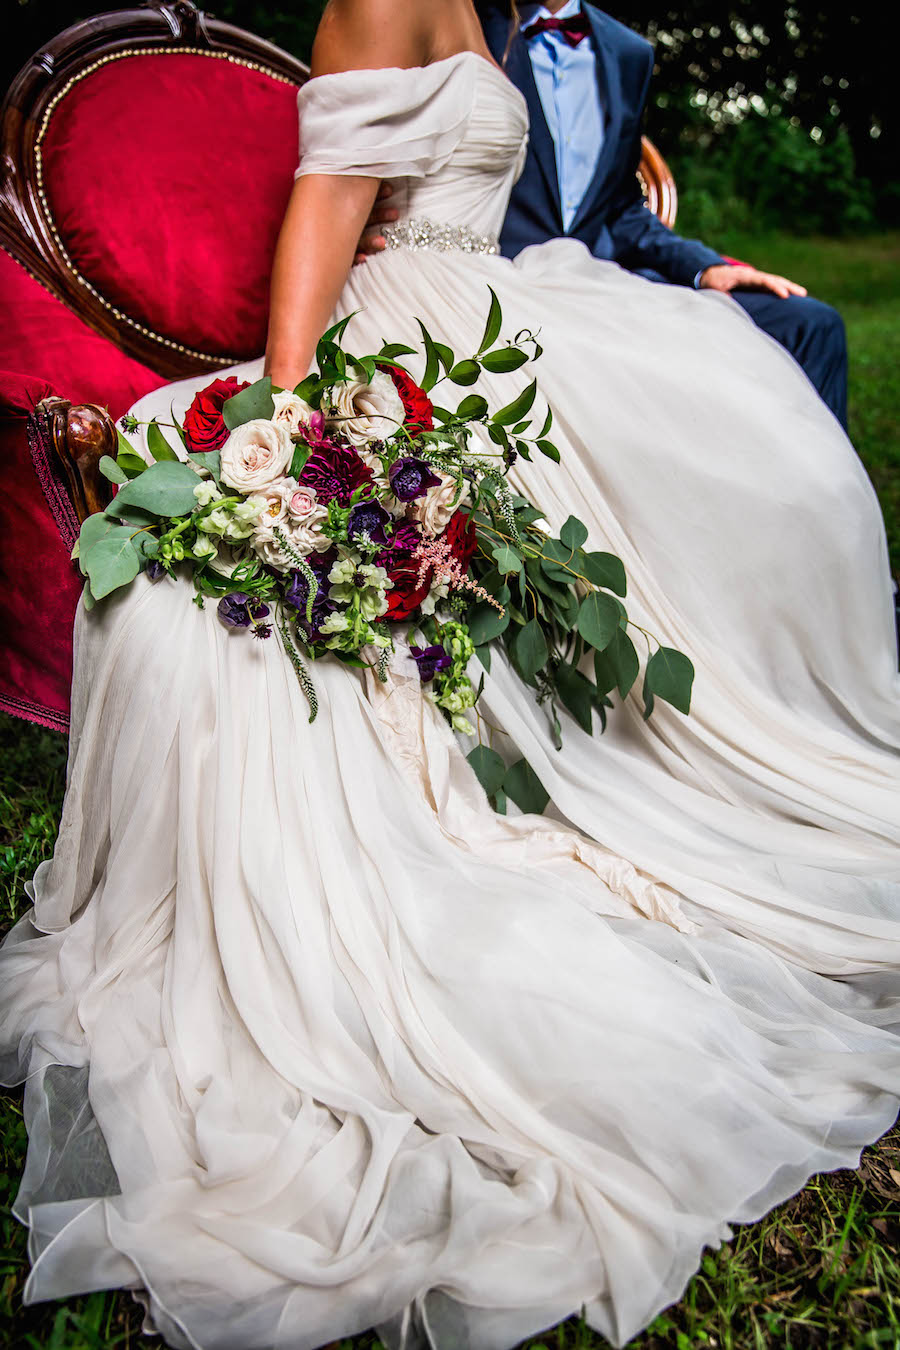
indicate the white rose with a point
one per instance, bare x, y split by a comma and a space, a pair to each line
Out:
290, 410
255, 454
366, 410
433, 511
292, 509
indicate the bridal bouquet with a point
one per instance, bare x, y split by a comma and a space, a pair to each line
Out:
333, 512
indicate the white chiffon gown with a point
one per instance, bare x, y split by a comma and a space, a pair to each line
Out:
316, 1042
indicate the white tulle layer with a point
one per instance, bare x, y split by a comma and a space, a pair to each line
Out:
316, 1042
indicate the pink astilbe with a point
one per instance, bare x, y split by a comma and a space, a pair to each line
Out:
437, 554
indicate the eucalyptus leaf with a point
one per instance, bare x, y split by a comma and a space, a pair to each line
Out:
598, 619
503, 360
89, 601
158, 446
112, 562
492, 327
489, 768
573, 533
616, 667
605, 569
507, 559
484, 656
530, 649
669, 676
486, 623
577, 693
165, 489
111, 470
522, 785
210, 460
498, 802
255, 401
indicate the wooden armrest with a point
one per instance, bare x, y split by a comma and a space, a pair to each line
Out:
75, 437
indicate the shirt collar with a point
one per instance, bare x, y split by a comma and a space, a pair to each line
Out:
530, 13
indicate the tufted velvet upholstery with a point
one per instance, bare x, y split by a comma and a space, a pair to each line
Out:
166, 176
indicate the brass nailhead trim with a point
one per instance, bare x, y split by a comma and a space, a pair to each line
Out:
45, 206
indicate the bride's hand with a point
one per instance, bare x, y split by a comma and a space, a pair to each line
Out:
742, 277
371, 241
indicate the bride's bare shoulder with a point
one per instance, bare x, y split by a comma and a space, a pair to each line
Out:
372, 35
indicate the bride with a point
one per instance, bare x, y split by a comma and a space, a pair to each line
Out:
316, 1042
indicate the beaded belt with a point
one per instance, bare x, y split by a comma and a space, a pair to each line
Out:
419, 233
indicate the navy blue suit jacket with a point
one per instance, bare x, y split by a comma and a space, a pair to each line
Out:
611, 219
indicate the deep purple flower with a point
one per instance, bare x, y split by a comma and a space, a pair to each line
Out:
298, 593
155, 569
240, 611
335, 473
410, 478
429, 661
262, 630
370, 518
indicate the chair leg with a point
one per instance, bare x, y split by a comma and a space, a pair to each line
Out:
76, 437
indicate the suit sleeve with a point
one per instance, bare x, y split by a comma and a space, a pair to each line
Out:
640, 239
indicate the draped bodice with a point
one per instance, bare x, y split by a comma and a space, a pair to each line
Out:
451, 136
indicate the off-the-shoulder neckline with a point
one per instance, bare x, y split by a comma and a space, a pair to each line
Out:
406, 70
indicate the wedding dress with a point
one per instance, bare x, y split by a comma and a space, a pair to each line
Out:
314, 1041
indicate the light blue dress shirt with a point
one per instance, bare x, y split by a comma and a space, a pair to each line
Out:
566, 79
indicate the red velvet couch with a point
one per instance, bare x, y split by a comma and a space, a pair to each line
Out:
147, 158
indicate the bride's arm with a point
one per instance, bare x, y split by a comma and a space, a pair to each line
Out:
326, 213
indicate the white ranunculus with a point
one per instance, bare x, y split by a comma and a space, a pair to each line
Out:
290, 410
291, 508
366, 410
255, 454
433, 511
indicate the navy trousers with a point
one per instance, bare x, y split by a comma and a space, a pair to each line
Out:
811, 331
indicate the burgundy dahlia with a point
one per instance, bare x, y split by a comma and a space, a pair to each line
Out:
335, 473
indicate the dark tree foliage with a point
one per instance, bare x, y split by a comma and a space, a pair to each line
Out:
824, 65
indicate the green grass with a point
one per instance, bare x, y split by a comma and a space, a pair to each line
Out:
821, 1272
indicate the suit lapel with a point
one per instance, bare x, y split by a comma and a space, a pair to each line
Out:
519, 70
611, 98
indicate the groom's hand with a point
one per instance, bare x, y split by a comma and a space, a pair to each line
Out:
727, 277
371, 241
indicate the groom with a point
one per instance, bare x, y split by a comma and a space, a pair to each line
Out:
585, 78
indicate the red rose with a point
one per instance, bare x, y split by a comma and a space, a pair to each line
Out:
417, 406
403, 568
462, 538
203, 425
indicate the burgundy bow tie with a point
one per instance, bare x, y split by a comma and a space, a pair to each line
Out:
572, 29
